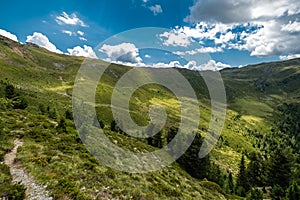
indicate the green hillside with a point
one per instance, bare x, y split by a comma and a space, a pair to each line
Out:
36, 104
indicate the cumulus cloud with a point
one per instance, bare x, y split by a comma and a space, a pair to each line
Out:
42, 40
147, 56
70, 33
65, 19
82, 38
81, 33
211, 65
156, 9
288, 57
231, 11
86, 51
271, 41
125, 52
291, 27
175, 38
262, 27
8, 35
199, 50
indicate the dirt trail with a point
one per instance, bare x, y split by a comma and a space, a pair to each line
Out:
19, 175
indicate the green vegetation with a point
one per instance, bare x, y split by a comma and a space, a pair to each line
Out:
256, 156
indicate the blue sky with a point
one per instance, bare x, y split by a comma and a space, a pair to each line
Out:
198, 34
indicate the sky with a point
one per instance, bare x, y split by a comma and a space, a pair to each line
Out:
193, 34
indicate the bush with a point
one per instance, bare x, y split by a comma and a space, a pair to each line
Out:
293, 192
10, 91
7, 189
255, 194
277, 192
212, 186
20, 103
16, 191
69, 188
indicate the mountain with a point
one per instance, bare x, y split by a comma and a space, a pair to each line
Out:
36, 105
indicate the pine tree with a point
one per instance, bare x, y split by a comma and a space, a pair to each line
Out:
255, 170
280, 168
157, 140
293, 192
256, 194
62, 125
230, 183
277, 193
69, 115
242, 182
10, 91
190, 161
113, 126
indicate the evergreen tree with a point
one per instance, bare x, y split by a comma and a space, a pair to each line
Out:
10, 91
255, 194
215, 175
242, 182
101, 123
230, 183
280, 168
62, 125
42, 109
20, 103
113, 126
53, 113
191, 162
277, 193
293, 192
69, 115
149, 132
157, 140
255, 170
98, 123
172, 133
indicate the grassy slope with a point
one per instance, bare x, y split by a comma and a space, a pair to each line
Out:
47, 78
60, 159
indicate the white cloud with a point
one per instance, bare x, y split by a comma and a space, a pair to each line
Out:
291, 27
81, 33
8, 35
199, 50
271, 41
86, 51
225, 38
230, 11
211, 65
156, 9
125, 52
72, 19
82, 39
42, 40
184, 36
67, 32
147, 56
288, 57
175, 38
262, 27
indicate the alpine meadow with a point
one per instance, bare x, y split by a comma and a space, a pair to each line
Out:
255, 157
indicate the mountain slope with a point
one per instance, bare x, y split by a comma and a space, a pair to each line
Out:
55, 155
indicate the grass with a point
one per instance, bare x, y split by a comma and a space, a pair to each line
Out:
253, 108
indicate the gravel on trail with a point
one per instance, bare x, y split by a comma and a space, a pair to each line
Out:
34, 191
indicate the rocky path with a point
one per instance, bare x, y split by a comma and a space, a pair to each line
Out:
19, 175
